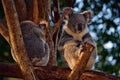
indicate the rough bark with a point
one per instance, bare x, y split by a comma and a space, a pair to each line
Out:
30, 10
39, 10
33, 12
21, 9
54, 73
52, 61
44, 10
4, 32
16, 40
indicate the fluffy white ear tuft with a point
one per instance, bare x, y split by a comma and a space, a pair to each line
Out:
67, 11
88, 15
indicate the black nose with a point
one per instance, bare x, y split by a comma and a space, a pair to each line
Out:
79, 27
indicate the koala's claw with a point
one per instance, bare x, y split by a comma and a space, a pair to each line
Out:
81, 47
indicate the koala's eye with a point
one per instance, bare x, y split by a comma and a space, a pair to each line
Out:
81, 26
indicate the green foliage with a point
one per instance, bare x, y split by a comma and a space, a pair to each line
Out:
5, 55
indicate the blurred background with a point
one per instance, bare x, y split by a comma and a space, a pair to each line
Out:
105, 29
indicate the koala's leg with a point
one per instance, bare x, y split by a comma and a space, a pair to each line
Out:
72, 48
47, 52
72, 52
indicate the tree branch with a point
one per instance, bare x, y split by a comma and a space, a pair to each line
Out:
56, 20
30, 10
4, 32
56, 30
81, 63
33, 12
52, 60
53, 73
21, 9
56, 11
16, 40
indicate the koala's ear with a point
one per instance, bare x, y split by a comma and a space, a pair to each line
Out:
67, 11
88, 15
42, 27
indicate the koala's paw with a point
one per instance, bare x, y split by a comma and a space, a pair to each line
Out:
81, 47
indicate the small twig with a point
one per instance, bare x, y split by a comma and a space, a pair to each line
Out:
81, 63
56, 11
56, 20
56, 30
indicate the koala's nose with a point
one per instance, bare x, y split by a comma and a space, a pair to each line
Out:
80, 27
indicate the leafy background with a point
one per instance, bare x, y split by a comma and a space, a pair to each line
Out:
105, 29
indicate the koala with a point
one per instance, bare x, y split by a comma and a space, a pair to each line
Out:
35, 43
74, 33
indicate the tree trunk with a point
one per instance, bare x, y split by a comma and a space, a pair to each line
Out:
16, 40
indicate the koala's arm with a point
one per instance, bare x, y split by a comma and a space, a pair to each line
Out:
70, 46
73, 48
47, 51
87, 38
63, 39
71, 52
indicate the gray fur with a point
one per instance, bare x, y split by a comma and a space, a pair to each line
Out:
74, 34
35, 43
